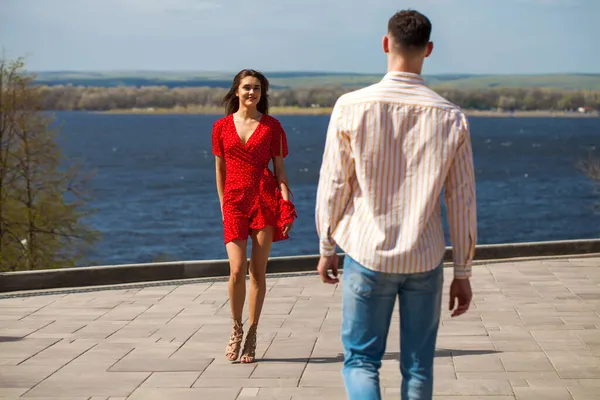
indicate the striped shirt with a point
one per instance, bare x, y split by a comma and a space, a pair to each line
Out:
391, 149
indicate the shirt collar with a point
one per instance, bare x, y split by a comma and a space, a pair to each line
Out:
405, 77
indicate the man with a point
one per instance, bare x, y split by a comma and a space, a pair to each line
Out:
390, 150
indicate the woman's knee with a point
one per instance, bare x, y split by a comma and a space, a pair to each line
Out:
258, 277
237, 273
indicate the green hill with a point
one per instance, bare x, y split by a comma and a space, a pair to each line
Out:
280, 80
557, 81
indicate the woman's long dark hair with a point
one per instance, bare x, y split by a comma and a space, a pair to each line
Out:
232, 103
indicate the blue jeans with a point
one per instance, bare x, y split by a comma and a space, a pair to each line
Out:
368, 300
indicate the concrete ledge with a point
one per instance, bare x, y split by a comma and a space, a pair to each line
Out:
129, 273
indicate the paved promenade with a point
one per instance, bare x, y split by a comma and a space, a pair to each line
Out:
533, 333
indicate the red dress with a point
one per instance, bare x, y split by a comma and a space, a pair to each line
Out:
251, 198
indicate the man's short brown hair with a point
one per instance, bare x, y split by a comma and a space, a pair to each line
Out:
410, 30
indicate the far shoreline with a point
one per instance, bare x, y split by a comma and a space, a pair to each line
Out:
327, 111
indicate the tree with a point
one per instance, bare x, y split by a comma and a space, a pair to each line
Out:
42, 201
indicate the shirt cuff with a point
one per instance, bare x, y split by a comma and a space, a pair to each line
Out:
326, 248
462, 271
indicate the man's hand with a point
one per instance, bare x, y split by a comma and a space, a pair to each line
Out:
325, 263
460, 290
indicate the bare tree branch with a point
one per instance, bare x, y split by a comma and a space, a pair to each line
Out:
591, 168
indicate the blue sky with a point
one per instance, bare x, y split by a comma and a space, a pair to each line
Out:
470, 36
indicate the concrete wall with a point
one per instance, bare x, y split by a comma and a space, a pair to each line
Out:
118, 274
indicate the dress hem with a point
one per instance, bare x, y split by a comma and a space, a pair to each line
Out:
278, 235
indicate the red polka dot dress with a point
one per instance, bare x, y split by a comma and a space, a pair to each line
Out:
251, 198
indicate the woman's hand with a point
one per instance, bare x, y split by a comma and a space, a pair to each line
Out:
287, 228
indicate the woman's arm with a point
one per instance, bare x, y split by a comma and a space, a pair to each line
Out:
282, 182
281, 177
278, 152
220, 175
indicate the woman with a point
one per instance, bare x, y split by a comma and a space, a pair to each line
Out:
254, 201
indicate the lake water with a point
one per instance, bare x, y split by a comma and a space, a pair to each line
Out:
155, 189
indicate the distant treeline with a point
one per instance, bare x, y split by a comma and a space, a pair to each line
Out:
119, 98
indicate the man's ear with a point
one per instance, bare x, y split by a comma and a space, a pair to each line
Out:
429, 49
385, 44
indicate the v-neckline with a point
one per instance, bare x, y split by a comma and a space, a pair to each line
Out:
244, 145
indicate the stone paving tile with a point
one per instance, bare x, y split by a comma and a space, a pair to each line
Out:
124, 312
68, 313
274, 370
554, 393
17, 377
99, 359
229, 370
396, 396
478, 363
171, 380
325, 379
542, 376
57, 329
475, 387
160, 358
225, 393
526, 362
585, 391
533, 332
22, 327
575, 365
242, 383
88, 384
304, 392
554, 382
60, 354
20, 349
11, 393
63, 398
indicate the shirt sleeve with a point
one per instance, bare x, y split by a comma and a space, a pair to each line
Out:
279, 146
217, 145
460, 199
336, 175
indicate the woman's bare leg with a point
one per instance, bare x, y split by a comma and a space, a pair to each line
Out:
261, 249
236, 251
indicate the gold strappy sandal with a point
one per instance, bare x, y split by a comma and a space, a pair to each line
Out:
232, 351
249, 353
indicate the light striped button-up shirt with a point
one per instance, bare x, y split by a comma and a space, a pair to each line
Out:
391, 149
